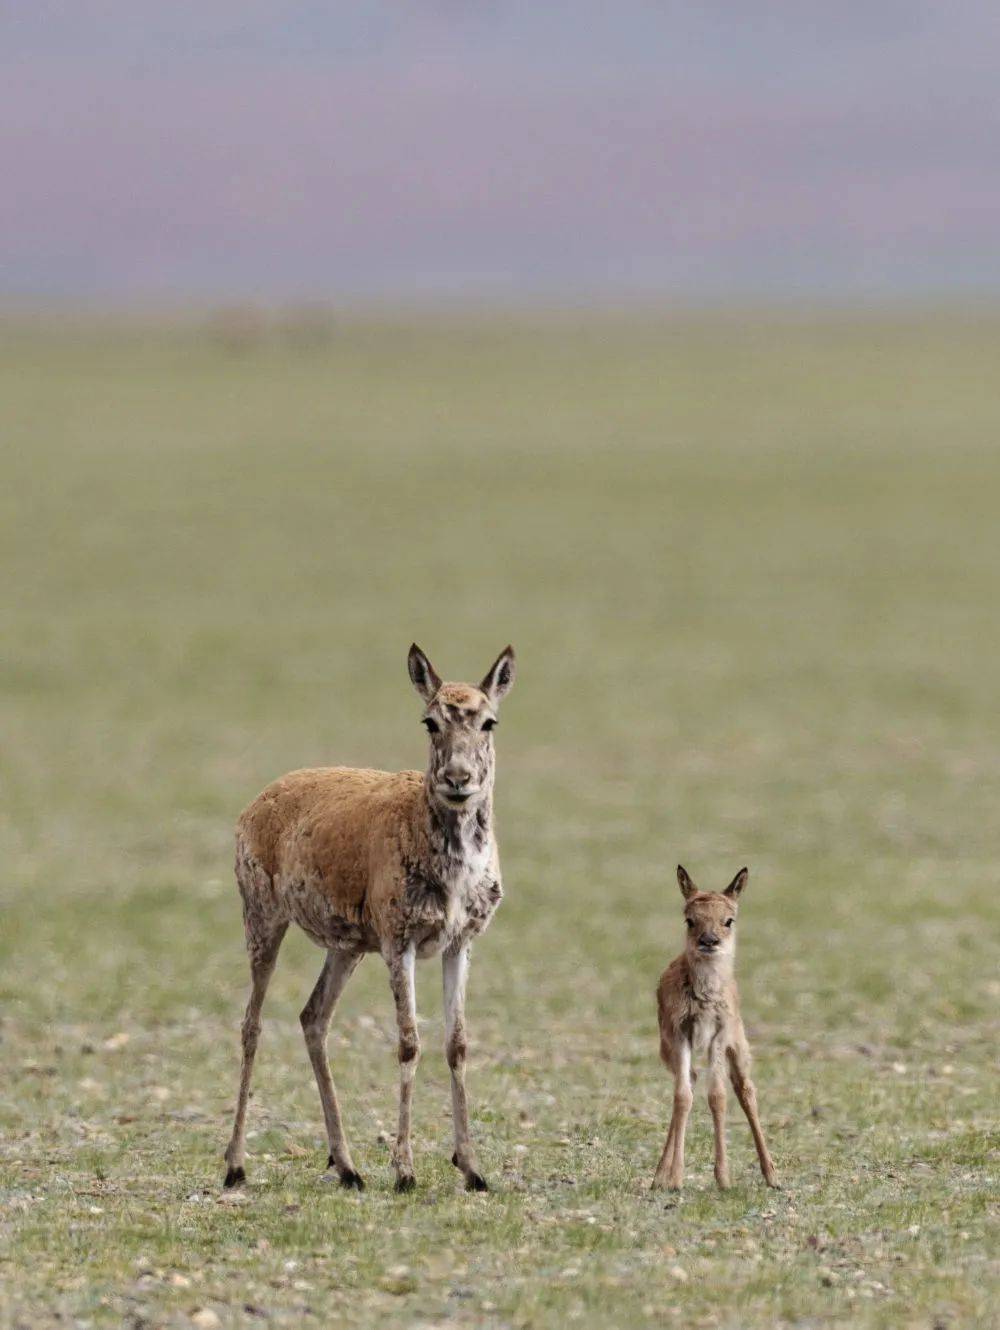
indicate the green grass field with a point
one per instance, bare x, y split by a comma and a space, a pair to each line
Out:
751, 570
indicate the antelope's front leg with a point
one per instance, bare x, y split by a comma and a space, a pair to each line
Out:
455, 970
402, 967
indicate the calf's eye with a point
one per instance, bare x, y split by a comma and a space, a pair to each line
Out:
432, 725
489, 724
689, 922
729, 923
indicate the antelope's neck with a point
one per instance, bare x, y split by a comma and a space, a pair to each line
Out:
460, 839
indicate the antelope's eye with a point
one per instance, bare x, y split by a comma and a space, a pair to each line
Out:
432, 725
729, 923
488, 724
689, 922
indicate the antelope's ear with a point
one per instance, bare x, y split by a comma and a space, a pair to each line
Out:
738, 883
687, 887
423, 675
499, 678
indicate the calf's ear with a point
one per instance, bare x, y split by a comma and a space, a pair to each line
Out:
738, 883
687, 887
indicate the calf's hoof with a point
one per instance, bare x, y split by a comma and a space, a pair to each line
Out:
235, 1177
406, 1182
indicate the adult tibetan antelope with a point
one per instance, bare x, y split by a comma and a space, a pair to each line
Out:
404, 863
699, 1011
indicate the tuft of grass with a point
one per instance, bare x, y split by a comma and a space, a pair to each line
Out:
750, 568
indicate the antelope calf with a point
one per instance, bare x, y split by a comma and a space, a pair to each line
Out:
699, 1013
403, 863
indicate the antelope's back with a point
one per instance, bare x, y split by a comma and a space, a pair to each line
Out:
327, 828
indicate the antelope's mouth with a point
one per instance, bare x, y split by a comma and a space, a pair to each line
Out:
456, 797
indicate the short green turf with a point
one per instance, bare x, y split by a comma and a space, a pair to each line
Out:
751, 568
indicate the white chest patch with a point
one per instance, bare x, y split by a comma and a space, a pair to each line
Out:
462, 881
455, 896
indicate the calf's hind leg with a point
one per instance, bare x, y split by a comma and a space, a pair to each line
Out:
263, 952
666, 1158
739, 1073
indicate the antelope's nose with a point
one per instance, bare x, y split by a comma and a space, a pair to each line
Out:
708, 940
458, 775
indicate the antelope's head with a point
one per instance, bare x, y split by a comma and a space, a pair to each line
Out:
460, 719
710, 917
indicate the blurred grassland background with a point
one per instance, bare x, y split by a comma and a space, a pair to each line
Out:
751, 568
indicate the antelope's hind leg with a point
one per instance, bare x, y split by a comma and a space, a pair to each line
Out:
262, 947
315, 1020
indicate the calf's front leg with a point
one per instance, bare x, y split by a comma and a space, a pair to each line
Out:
717, 1103
402, 968
670, 1169
455, 970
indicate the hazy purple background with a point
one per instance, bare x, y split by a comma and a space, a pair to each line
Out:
180, 150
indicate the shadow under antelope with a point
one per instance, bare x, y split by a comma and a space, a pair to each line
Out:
402, 863
699, 1011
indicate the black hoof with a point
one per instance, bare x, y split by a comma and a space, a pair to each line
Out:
406, 1183
348, 1177
454, 1160
235, 1178
475, 1182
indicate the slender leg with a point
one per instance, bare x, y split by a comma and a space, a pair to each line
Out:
669, 1056
680, 1065
455, 971
717, 1103
683, 1099
663, 1167
739, 1071
263, 953
402, 967
315, 1019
